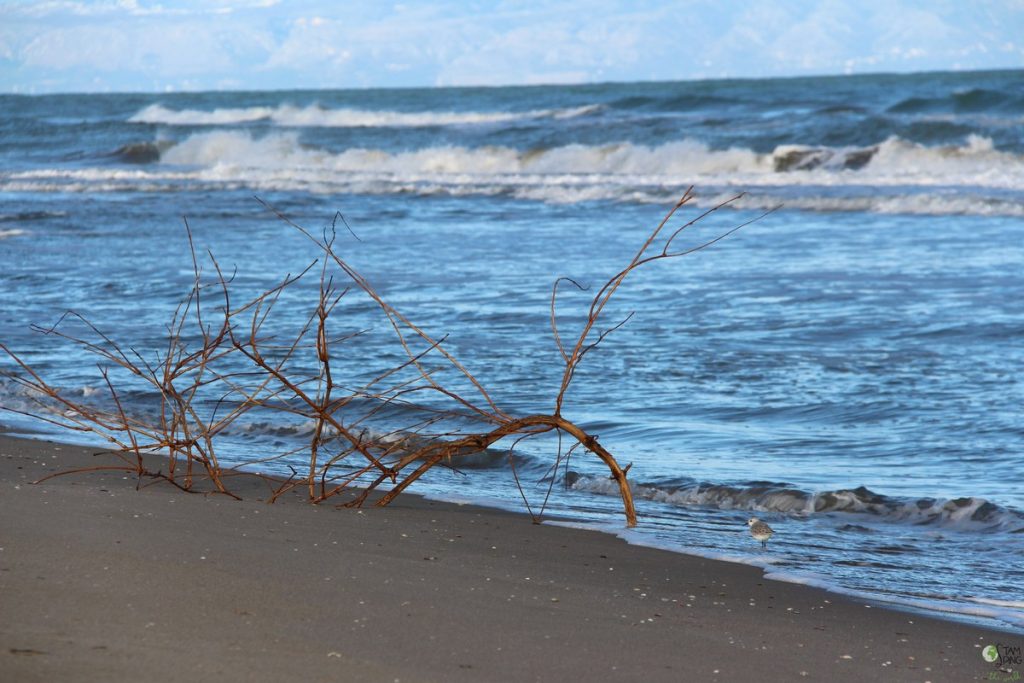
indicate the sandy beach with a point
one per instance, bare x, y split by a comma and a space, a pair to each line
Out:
100, 581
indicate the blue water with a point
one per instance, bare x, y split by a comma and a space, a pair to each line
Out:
846, 368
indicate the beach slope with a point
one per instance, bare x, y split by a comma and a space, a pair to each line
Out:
103, 582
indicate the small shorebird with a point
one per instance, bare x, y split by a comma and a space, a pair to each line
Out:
760, 531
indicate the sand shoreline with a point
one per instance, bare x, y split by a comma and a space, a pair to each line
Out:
101, 582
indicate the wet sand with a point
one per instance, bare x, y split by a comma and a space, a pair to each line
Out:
103, 582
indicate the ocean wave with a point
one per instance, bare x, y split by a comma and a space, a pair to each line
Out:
403, 442
961, 101
13, 232
919, 203
141, 152
18, 399
318, 116
968, 512
895, 176
23, 216
895, 161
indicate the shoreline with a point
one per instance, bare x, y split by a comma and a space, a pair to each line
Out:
105, 582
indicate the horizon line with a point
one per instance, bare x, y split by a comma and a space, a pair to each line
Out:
582, 84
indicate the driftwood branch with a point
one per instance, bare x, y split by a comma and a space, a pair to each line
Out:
218, 348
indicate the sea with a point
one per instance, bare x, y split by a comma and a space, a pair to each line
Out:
846, 367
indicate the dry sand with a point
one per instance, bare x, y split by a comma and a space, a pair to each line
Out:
101, 582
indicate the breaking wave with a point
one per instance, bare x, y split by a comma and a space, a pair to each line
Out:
894, 161
318, 116
967, 512
895, 176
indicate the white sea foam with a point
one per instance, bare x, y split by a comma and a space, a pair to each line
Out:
315, 115
976, 158
13, 232
572, 162
895, 163
156, 113
1012, 604
900, 177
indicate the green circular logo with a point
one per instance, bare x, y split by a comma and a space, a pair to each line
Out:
990, 653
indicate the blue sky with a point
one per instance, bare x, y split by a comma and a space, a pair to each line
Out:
136, 45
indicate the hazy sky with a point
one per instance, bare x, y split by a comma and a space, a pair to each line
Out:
76, 45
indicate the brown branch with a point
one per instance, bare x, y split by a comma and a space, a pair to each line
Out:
236, 362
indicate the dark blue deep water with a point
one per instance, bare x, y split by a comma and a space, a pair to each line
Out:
847, 368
